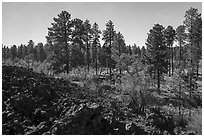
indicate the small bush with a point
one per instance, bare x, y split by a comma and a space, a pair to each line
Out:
180, 121
161, 120
195, 123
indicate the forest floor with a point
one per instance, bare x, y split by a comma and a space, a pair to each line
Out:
34, 103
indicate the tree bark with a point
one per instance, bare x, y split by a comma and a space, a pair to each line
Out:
158, 80
67, 62
190, 93
180, 54
169, 61
179, 96
96, 60
110, 54
172, 60
66, 50
87, 54
197, 71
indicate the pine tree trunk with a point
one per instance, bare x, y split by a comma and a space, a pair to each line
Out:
158, 80
179, 97
67, 58
67, 63
197, 70
180, 55
110, 64
180, 78
110, 55
96, 68
197, 74
169, 61
107, 65
191, 71
67, 52
120, 60
96, 61
190, 93
143, 102
172, 61
87, 55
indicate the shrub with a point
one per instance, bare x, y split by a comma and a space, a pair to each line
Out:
195, 123
161, 120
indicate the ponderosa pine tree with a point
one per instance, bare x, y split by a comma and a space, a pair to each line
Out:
102, 57
108, 37
20, 51
180, 37
136, 50
60, 36
129, 50
78, 34
25, 51
95, 45
41, 52
196, 34
169, 34
3, 51
30, 46
156, 52
13, 52
35, 53
78, 40
77, 57
143, 50
191, 23
118, 48
87, 34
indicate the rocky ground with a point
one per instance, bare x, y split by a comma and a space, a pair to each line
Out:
35, 104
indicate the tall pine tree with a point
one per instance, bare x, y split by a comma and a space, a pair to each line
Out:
119, 47
41, 52
87, 36
108, 37
95, 45
60, 36
169, 34
194, 36
156, 52
180, 37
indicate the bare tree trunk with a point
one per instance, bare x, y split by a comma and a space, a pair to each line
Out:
158, 80
197, 70
96, 68
180, 79
169, 61
67, 51
96, 61
190, 93
172, 60
180, 54
107, 65
67, 63
191, 72
87, 55
179, 97
110, 54
110, 64
143, 102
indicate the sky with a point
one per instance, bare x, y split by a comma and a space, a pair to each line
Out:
24, 21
